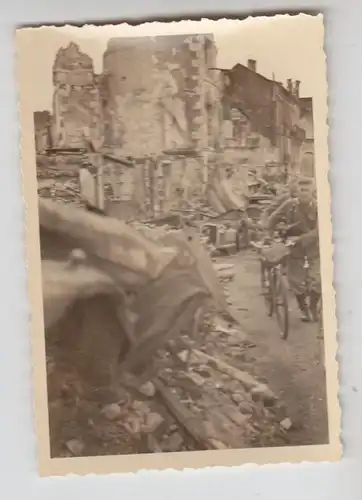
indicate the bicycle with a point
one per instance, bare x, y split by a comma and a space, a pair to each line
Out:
274, 283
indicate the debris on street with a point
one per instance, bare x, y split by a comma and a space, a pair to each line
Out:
181, 386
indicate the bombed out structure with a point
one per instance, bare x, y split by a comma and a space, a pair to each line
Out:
76, 98
155, 94
159, 93
263, 119
163, 101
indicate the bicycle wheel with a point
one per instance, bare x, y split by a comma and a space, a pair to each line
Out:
280, 295
265, 282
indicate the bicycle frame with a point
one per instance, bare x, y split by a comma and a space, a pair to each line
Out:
274, 286
274, 271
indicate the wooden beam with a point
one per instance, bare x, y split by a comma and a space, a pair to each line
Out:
122, 161
192, 425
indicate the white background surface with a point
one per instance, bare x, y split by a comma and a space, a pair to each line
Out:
18, 475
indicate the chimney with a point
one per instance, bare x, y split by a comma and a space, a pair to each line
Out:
296, 88
252, 64
290, 85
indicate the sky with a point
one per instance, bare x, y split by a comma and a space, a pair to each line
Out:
286, 46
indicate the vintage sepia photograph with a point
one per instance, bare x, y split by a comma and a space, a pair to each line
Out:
179, 244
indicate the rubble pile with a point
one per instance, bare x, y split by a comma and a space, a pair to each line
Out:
200, 393
153, 231
198, 402
58, 180
65, 192
57, 166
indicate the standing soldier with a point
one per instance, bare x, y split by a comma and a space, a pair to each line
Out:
288, 192
301, 213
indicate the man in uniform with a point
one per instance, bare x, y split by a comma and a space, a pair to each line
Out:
289, 191
301, 214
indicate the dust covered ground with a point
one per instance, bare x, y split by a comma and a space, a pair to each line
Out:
291, 367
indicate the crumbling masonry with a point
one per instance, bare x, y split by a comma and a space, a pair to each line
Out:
155, 94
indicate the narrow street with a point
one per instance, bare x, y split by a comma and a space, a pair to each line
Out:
290, 367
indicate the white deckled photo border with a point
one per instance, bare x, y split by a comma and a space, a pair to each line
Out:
103, 465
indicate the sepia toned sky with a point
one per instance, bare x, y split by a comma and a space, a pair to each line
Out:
289, 47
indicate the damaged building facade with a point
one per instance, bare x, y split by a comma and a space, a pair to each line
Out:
155, 94
77, 109
161, 94
307, 154
262, 119
158, 97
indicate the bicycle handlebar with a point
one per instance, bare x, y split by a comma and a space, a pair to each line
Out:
257, 245
262, 245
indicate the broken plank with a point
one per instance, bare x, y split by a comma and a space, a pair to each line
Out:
186, 419
228, 423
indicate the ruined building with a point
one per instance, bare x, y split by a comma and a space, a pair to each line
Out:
165, 94
76, 100
263, 117
307, 155
155, 93
162, 94
159, 93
